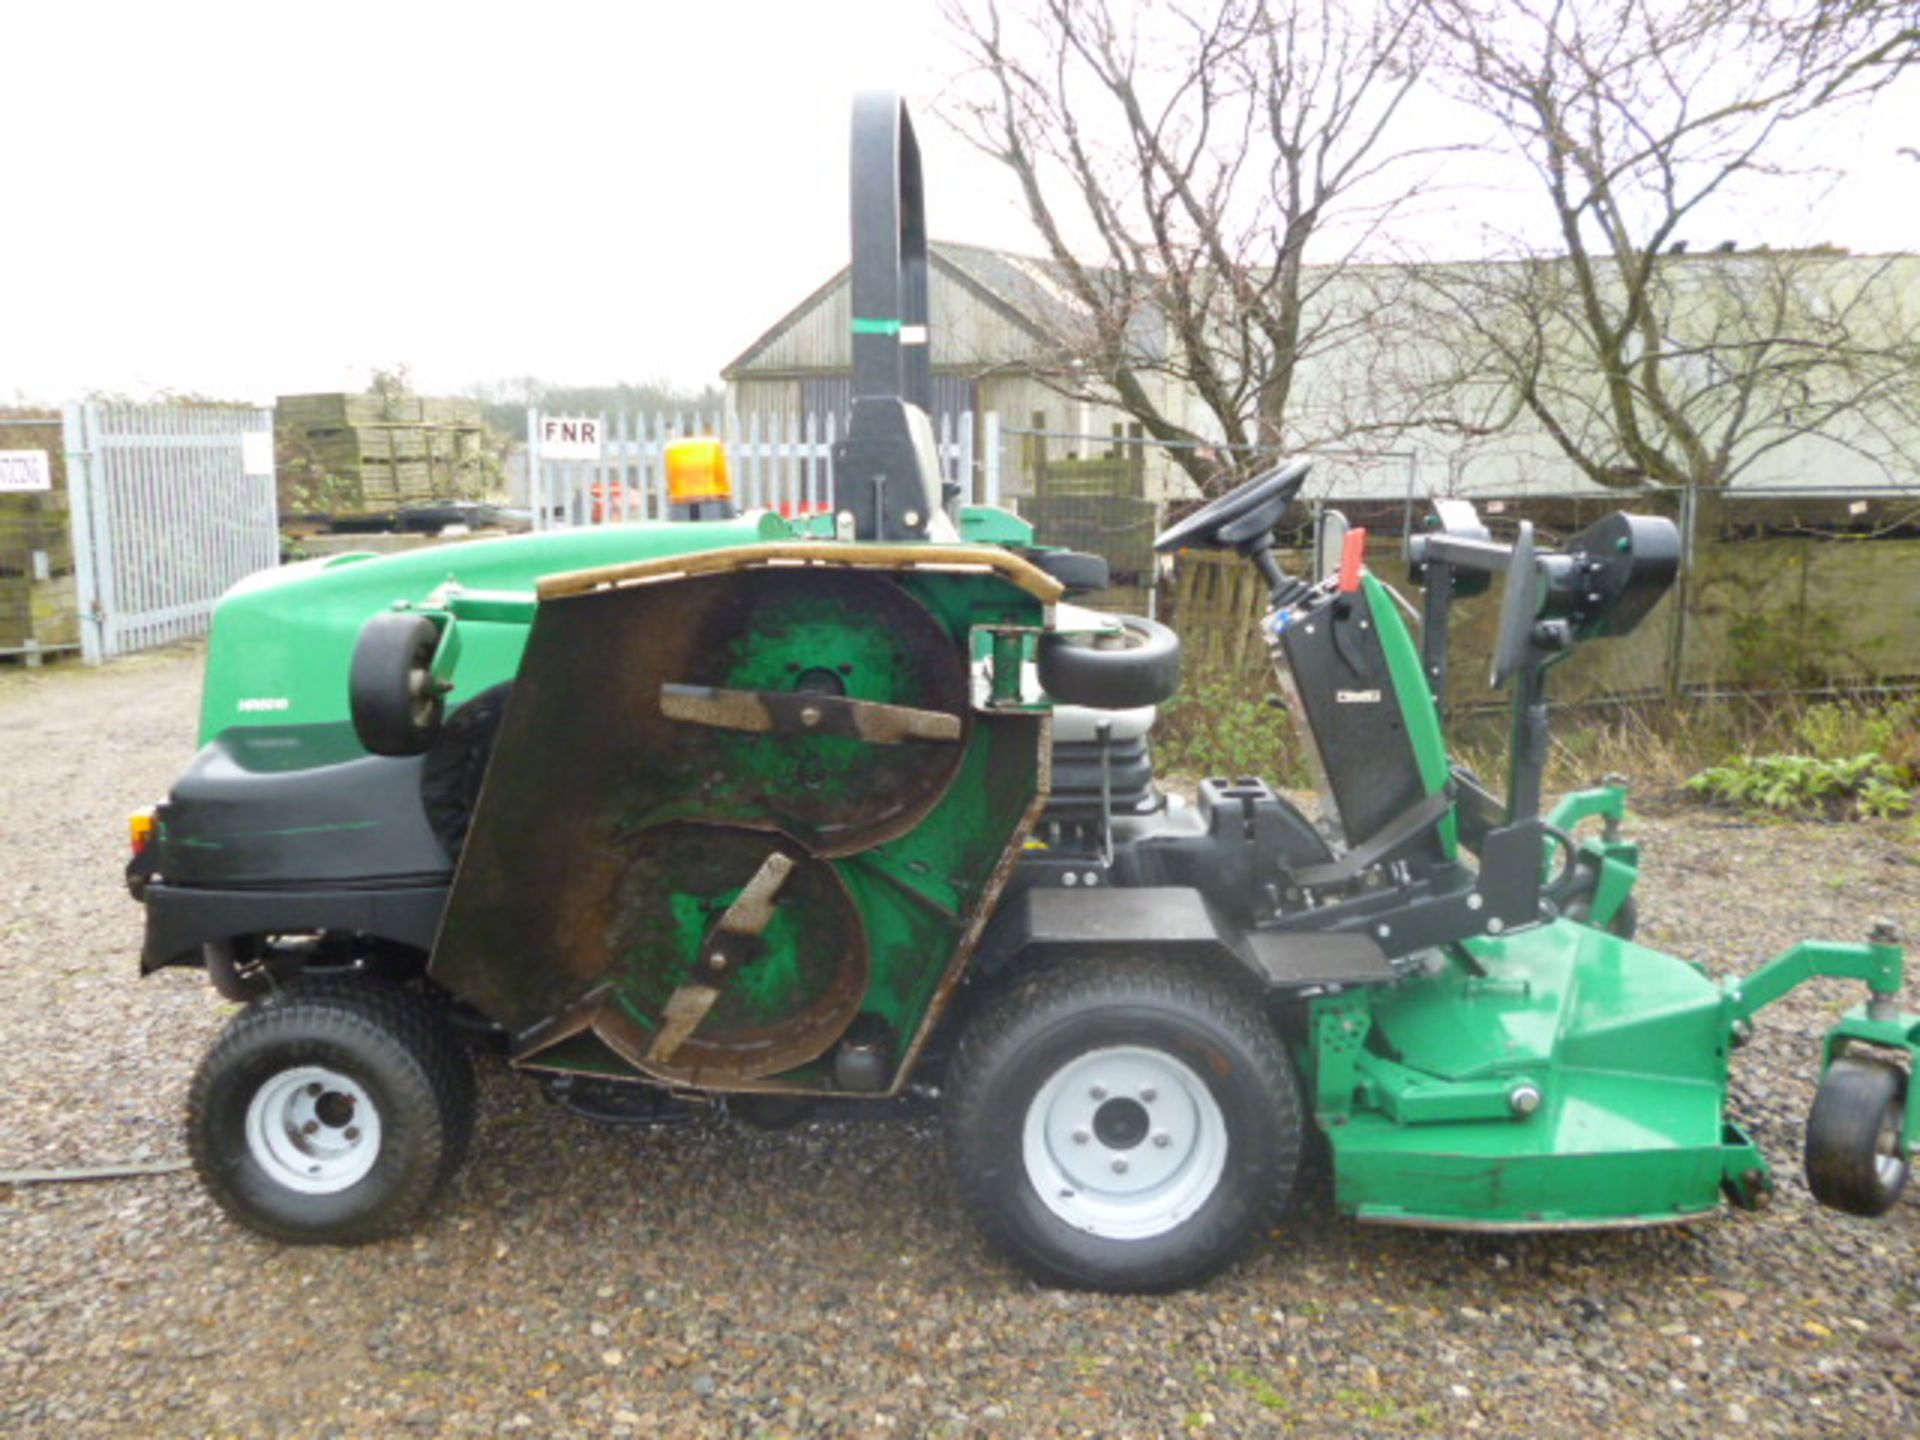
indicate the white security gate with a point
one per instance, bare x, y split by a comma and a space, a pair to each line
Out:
171, 505
778, 462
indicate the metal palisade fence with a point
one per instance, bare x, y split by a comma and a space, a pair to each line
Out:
171, 505
781, 462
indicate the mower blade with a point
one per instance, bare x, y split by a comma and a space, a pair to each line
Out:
684, 1011
775, 712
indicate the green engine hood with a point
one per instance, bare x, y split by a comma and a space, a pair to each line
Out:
282, 640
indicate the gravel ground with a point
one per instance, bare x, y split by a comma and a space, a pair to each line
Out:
714, 1280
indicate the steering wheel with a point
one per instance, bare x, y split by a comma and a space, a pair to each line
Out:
1244, 514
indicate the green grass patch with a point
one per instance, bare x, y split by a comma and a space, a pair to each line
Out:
1844, 761
1219, 725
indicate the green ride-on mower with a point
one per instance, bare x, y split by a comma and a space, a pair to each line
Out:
751, 813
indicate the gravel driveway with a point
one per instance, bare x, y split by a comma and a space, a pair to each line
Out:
718, 1281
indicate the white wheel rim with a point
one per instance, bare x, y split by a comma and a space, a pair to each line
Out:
313, 1130
1888, 1163
1124, 1143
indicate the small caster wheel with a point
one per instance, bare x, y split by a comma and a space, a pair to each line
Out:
1854, 1159
396, 704
1140, 666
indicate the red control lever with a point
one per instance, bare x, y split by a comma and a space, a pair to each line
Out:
1352, 554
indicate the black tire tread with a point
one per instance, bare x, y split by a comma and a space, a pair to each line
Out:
375, 1011
1842, 1128
1146, 673
995, 1030
377, 677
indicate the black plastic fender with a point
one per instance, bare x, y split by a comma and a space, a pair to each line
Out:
181, 919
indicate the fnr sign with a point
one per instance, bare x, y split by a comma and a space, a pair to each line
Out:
562, 438
22, 470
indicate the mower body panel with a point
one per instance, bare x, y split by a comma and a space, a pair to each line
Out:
1612, 863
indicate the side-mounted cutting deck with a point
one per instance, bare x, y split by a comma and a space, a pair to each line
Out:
1577, 1079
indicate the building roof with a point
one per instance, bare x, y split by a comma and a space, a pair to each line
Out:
1029, 292
1033, 289
1033, 293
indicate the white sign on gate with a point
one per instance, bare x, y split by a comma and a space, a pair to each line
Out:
256, 452
23, 470
564, 438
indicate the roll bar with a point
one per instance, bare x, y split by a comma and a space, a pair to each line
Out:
891, 353
886, 471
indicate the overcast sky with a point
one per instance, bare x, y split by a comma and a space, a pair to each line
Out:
250, 199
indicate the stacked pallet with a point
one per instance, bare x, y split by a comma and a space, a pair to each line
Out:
1102, 475
358, 455
39, 604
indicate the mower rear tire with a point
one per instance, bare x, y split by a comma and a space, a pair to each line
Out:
331, 1112
396, 704
1122, 1126
1853, 1136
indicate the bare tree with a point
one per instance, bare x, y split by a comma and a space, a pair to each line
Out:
1641, 362
1179, 162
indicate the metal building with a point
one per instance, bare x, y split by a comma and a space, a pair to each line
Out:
993, 318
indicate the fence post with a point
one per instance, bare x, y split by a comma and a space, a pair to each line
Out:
270, 553
536, 481
1682, 593
1153, 562
663, 435
830, 487
963, 470
79, 457
789, 469
990, 471
756, 462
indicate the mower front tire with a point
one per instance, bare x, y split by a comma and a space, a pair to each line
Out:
1123, 1126
1853, 1136
331, 1112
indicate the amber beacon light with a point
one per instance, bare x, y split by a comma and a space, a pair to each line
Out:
697, 471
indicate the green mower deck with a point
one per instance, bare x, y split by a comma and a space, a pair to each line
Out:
1579, 1080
